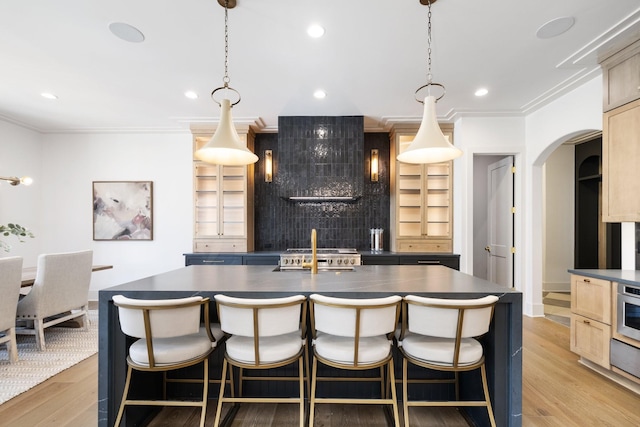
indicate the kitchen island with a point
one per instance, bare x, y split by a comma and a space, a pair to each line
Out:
503, 343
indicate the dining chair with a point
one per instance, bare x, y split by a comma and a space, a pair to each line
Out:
354, 335
169, 336
265, 334
59, 293
441, 335
10, 281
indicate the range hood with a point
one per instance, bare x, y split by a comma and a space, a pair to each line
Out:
321, 159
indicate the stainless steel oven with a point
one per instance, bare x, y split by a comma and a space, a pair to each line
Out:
628, 311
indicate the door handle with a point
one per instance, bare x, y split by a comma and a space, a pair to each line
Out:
487, 248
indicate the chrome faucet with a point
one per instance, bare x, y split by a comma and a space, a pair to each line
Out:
313, 265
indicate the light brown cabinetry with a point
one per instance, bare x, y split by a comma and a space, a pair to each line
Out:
621, 77
591, 319
621, 136
421, 205
223, 201
620, 159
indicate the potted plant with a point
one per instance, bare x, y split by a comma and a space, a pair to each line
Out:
15, 229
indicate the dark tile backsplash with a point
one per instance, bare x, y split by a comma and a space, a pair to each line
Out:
320, 156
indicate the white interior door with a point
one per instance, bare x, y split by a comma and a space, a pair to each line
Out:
500, 222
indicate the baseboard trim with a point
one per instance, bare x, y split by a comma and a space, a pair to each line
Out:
613, 376
556, 287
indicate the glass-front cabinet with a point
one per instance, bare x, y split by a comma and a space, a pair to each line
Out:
421, 209
223, 202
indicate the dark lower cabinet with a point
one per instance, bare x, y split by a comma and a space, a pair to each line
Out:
258, 258
231, 259
261, 260
451, 261
212, 259
379, 259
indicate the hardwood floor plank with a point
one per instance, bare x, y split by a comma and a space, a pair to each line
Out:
557, 391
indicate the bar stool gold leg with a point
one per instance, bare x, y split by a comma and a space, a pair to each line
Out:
405, 394
223, 382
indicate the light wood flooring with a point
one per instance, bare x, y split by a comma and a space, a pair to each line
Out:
557, 391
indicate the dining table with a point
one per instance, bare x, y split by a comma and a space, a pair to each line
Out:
29, 273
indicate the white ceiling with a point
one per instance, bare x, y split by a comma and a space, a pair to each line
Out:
370, 62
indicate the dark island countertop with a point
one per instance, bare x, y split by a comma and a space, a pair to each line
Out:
373, 280
503, 343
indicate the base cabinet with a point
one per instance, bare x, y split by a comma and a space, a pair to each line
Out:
272, 258
591, 319
591, 339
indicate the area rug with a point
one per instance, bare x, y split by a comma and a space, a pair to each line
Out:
64, 348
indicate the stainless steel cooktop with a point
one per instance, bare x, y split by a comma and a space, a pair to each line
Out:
328, 258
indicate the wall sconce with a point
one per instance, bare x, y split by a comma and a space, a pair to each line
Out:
14, 180
268, 165
374, 165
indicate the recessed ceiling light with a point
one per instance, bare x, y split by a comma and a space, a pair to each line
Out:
126, 32
481, 92
315, 31
191, 94
555, 27
320, 94
48, 95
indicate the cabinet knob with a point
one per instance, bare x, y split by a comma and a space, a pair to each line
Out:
487, 248
587, 281
586, 322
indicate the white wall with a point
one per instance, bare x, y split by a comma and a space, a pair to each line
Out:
486, 136
20, 155
61, 205
558, 218
573, 114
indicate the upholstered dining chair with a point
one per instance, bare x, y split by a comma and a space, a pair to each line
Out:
10, 281
441, 335
59, 293
355, 335
264, 334
169, 337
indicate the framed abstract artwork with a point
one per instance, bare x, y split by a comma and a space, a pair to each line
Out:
122, 210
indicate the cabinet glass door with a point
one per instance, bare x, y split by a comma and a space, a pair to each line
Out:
410, 195
438, 199
233, 200
207, 185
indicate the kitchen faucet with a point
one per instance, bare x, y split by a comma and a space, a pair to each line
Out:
313, 265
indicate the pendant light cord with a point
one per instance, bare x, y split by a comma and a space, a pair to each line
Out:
226, 78
430, 82
429, 75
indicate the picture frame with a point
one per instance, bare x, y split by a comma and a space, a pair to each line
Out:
122, 210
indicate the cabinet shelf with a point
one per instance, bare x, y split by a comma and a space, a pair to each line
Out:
589, 178
421, 213
223, 201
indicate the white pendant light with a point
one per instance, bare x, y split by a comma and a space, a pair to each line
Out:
429, 145
225, 146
